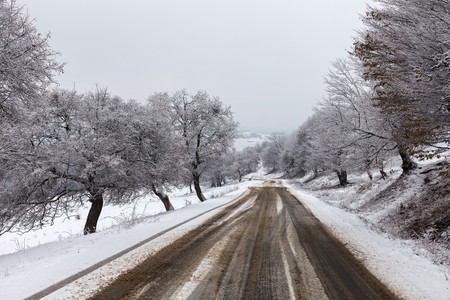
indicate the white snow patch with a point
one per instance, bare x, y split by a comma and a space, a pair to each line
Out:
205, 266
287, 273
249, 139
279, 204
246, 206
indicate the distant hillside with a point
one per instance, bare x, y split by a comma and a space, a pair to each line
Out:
249, 139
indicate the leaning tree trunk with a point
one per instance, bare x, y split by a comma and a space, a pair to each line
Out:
240, 175
342, 175
94, 213
368, 164
198, 190
163, 197
407, 163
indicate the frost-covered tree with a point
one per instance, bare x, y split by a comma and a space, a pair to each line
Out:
327, 145
30, 195
244, 162
204, 126
27, 63
294, 157
219, 172
78, 148
347, 131
349, 106
404, 51
306, 133
170, 163
273, 150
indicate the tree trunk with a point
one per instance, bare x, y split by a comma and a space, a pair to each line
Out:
342, 175
198, 190
368, 164
218, 181
94, 213
163, 197
407, 163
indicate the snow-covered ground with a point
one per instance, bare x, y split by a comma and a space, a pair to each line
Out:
64, 251
61, 250
249, 139
396, 262
372, 217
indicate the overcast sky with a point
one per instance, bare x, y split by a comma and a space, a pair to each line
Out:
264, 58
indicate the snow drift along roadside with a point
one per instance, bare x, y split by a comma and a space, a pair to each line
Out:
22, 272
392, 261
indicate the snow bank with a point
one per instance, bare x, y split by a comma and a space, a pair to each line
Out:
393, 261
21, 273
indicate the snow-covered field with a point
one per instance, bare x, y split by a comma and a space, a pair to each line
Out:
60, 251
249, 139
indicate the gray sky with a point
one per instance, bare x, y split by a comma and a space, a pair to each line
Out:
265, 58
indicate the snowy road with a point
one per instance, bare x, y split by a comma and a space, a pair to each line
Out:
267, 245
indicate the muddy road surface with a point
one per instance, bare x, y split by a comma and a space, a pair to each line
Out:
266, 245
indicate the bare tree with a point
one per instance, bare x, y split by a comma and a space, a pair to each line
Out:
273, 150
78, 147
404, 52
244, 162
205, 129
295, 155
27, 63
349, 106
327, 150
